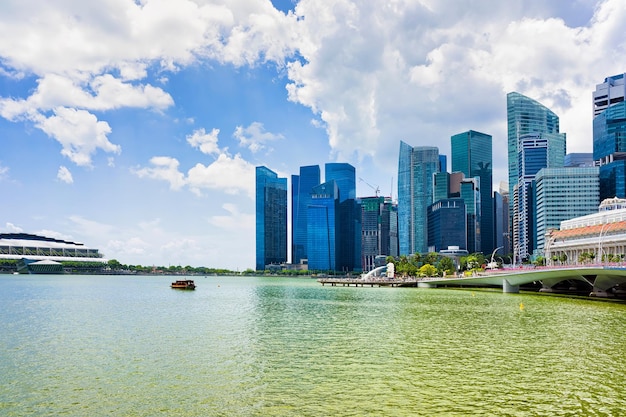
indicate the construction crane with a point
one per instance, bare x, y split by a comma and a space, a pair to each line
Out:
376, 189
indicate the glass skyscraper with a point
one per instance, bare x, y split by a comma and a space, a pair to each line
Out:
349, 216
345, 176
564, 194
416, 169
301, 188
271, 218
609, 135
470, 194
472, 155
447, 224
379, 235
534, 142
322, 227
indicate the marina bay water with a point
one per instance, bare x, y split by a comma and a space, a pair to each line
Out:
250, 346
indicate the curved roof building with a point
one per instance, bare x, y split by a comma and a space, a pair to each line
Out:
39, 248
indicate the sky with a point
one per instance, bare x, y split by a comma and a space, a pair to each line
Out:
135, 126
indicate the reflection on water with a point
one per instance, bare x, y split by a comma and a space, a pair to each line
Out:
290, 347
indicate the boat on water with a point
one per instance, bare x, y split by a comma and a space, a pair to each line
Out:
187, 284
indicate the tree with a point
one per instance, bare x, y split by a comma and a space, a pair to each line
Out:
431, 258
114, 264
427, 270
445, 265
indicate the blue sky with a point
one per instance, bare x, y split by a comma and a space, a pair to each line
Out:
134, 126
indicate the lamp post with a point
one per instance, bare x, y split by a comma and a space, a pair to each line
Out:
600, 239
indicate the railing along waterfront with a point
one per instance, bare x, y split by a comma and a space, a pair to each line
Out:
370, 282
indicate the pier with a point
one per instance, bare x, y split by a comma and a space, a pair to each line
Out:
369, 282
600, 281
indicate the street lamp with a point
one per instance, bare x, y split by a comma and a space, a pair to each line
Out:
600, 239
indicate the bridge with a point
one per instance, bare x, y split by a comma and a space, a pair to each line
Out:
603, 281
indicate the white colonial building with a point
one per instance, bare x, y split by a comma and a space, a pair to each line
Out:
598, 238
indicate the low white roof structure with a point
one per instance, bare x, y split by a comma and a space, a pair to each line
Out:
35, 247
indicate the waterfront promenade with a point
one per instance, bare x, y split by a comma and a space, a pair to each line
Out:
602, 281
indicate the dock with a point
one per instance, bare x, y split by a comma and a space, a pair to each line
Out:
370, 282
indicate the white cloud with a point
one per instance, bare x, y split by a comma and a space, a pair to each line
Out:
65, 175
94, 57
4, 171
231, 175
86, 227
80, 133
254, 137
377, 73
164, 168
11, 228
205, 142
234, 219
228, 174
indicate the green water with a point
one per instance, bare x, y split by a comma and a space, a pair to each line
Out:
119, 346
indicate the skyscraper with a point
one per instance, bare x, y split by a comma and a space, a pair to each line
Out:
301, 188
470, 194
416, 169
609, 135
349, 216
534, 142
345, 176
271, 218
563, 194
472, 155
447, 224
322, 227
379, 231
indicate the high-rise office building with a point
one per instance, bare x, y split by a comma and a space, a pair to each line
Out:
441, 186
534, 142
349, 215
609, 135
379, 230
447, 224
472, 155
416, 168
470, 194
271, 218
322, 227
345, 176
501, 214
301, 188
563, 194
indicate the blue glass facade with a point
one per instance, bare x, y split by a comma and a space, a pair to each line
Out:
470, 194
379, 234
345, 177
447, 224
348, 233
564, 194
416, 169
271, 218
472, 155
441, 186
301, 188
534, 142
609, 148
322, 226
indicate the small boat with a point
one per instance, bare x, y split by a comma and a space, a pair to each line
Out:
184, 285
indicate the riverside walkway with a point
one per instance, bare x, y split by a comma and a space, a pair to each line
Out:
602, 281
